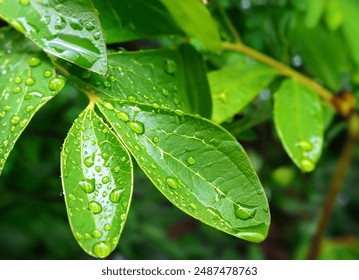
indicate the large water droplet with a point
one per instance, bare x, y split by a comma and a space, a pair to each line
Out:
57, 83
305, 145
17, 80
136, 126
101, 249
123, 116
107, 227
172, 182
88, 186
17, 89
245, 213
97, 233
105, 179
90, 160
169, 66
191, 160
47, 74
33, 61
95, 207
15, 120
115, 195
89, 26
307, 165
29, 81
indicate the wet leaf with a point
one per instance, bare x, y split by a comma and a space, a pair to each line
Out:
196, 165
156, 77
127, 20
299, 122
28, 81
233, 87
66, 29
97, 184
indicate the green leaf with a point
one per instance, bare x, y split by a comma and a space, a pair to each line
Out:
333, 15
314, 12
196, 21
28, 81
350, 11
128, 20
233, 87
97, 184
196, 165
66, 29
154, 77
328, 62
299, 122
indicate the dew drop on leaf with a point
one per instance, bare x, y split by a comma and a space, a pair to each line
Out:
97, 233
169, 66
90, 160
29, 81
88, 186
105, 179
172, 182
136, 126
305, 145
78, 236
191, 160
24, 2
107, 227
156, 139
17, 80
108, 106
72, 197
101, 249
47, 74
56, 84
33, 61
17, 89
245, 213
123, 116
115, 195
307, 165
15, 120
95, 207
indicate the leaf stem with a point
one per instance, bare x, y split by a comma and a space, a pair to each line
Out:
334, 189
282, 68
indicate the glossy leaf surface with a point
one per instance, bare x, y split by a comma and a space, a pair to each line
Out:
196, 21
97, 184
57, 27
196, 164
157, 77
299, 122
127, 20
235, 86
27, 81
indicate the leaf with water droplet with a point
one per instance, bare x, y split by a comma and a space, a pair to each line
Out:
127, 20
171, 78
90, 160
298, 119
198, 162
23, 89
58, 30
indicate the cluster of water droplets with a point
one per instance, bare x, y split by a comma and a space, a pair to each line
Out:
310, 150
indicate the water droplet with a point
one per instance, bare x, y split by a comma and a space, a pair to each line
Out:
15, 120
193, 206
136, 126
307, 165
169, 66
244, 213
88, 185
33, 61
97, 233
172, 182
90, 160
60, 23
98, 168
89, 26
95, 207
78, 236
105, 180
305, 145
101, 249
131, 98
114, 241
30, 81
17, 80
107, 84
156, 105
17, 89
108, 106
24, 2
107, 227
97, 35
191, 160
29, 108
123, 116
178, 112
115, 195
156, 139
87, 236
47, 74
72, 197
7, 107
57, 83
